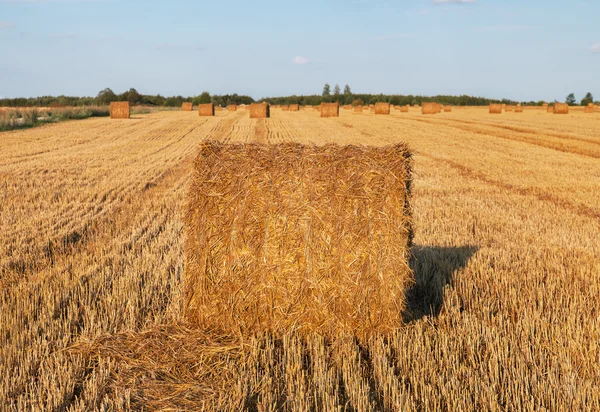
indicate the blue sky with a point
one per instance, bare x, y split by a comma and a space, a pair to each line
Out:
523, 50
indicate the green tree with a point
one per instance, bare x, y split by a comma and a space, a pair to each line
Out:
347, 90
358, 102
587, 99
571, 99
326, 90
202, 99
106, 96
336, 90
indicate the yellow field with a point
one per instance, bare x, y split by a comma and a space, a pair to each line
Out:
507, 213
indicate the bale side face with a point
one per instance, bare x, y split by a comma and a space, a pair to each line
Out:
119, 110
231, 108
330, 110
519, 109
447, 109
429, 108
218, 108
550, 109
561, 108
187, 107
382, 108
294, 107
291, 237
207, 109
260, 111
404, 109
358, 109
495, 108
285, 108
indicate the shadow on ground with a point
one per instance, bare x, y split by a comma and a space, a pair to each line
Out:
434, 268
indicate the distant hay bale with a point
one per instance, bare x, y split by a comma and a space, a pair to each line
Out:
550, 109
231, 108
440, 108
330, 109
447, 109
285, 107
382, 108
508, 108
294, 107
288, 237
429, 108
358, 109
561, 108
589, 108
119, 110
495, 108
519, 109
404, 109
218, 108
545, 106
416, 106
503, 106
260, 111
347, 107
206, 109
187, 107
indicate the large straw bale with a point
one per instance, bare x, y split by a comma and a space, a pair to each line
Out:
429, 108
231, 108
404, 109
330, 109
187, 107
206, 109
508, 108
382, 108
294, 107
358, 109
260, 111
285, 108
119, 110
561, 108
589, 108
447, 109
300, 238
495, 108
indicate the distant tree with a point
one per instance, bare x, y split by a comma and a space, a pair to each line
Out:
106, 96
336, 90
358, 102
326, 90
202, 99
587, 99
132, 96
395, 101
347, 91
571, 99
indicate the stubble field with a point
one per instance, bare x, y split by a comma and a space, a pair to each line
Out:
504, 314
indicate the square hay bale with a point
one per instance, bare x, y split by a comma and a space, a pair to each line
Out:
187, 107
589, 108
447, 109
404, 109
416, 106
382, 108
119, 110
330, 109
545, 106
294, 107
495, 108
290, 237
207, 109
285, 108
519, 109
218, 108
508, 108
429, 108
550, 109
561, 108
440, 108
231, 108
260, 111
358, 109
347, 107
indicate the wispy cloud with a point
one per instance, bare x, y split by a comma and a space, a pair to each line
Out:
300, 60
453, 1
6, 25
595, 48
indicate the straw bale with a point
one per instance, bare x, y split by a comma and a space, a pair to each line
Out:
550, 109
119, 110
347, 107
231, 108
416, 106
187, 107
404, 109
294, 107
382, 108
519, 109
589, 108
260, 111
561, 108
429, 108
508, 108
207, 109
285, 108
218, 108
358, 109
545, 106
299, 238
440, 108
330, 109
495, 108
447, 109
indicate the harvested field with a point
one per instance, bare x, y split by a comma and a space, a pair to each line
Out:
503, 314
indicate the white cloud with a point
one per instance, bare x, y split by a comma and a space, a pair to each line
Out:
595, 48
453, 1
6, 25
300, 60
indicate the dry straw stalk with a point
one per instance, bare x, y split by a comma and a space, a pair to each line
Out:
330, 109
382, 108
260, 111
495, 108
119, 110
561, 108
207, 109
429, 108
293, 237
187, 107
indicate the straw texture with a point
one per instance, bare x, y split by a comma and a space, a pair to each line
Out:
119, 110
330, 109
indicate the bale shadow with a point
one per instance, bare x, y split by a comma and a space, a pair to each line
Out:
434, 268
